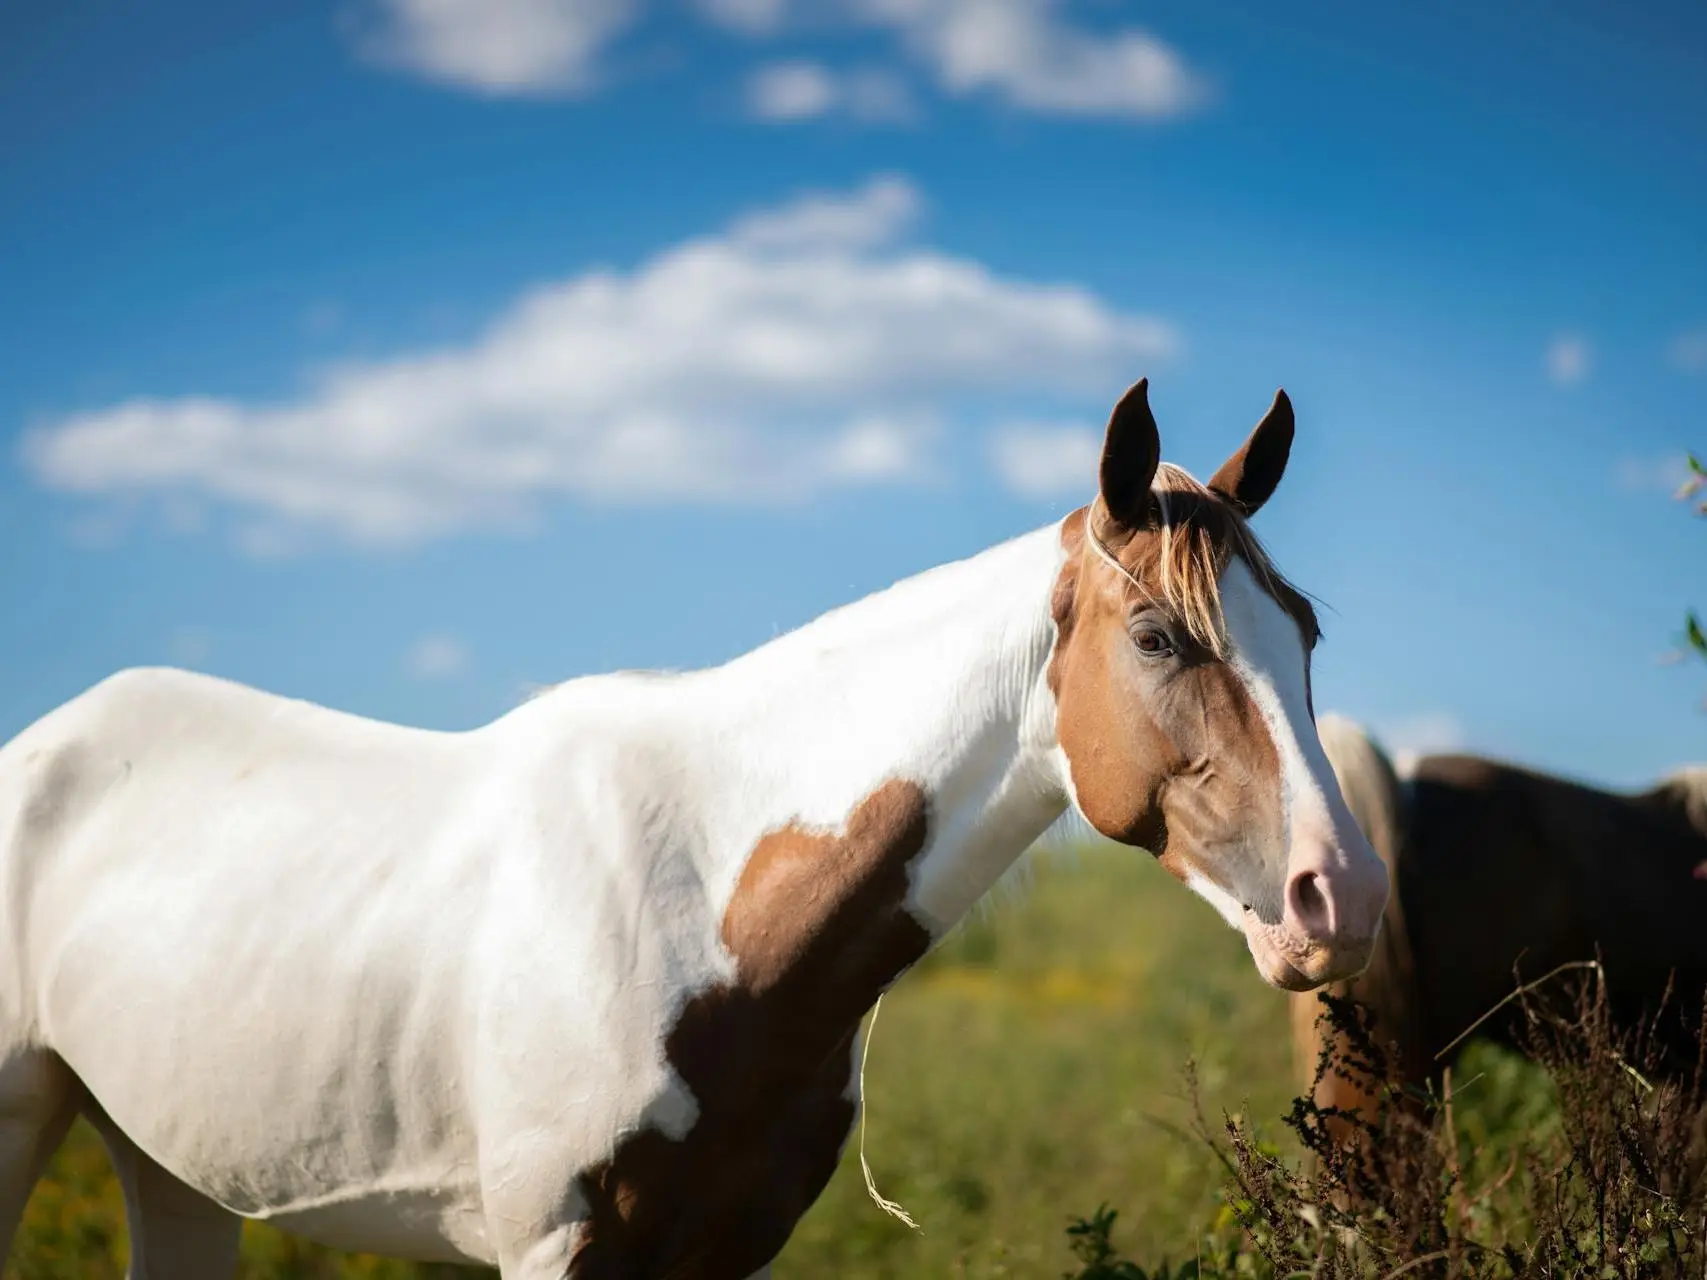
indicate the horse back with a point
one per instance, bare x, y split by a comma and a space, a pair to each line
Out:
227, 912
1518, 872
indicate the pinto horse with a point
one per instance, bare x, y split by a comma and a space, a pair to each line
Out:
1502, 874
578, 993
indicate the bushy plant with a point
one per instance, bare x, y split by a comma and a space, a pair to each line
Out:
1616, 1187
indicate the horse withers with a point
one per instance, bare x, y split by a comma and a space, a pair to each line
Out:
1501, 875
578, 993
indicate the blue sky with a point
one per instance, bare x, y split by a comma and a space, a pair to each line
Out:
400, 355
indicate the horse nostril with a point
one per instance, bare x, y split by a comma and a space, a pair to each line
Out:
1310, 909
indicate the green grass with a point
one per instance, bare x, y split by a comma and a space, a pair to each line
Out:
1027, 1071
1019, 1075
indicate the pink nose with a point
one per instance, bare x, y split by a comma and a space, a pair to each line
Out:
1309, 911
1333, 907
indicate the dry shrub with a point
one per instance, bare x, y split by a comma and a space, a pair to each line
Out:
1616, 1187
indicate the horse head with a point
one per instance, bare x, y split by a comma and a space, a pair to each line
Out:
1181, 674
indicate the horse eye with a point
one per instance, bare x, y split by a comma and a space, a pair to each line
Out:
1153, 644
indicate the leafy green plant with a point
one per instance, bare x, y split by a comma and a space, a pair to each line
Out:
1089, 1239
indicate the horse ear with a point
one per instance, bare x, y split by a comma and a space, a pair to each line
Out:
1249, 477
1131, 451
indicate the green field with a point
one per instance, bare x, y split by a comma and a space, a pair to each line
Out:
1028, 1070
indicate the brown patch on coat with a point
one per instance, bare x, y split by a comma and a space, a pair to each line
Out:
818, 927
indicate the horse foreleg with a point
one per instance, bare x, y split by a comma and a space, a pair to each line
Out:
176, 1233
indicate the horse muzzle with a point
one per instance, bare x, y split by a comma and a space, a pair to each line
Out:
1329, 921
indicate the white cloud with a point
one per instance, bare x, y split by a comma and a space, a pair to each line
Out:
1026, 53
1689, 351
499, 47
869, 218
791, 91
804, 349
1568, 359
877, 449
786, 92
436, 657
1652, 475
1046, 461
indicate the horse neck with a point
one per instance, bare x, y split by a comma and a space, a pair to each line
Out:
938, 681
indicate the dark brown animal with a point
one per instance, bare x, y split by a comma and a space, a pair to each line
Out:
1501, 875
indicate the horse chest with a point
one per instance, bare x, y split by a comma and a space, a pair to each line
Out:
818, 926
720, 1202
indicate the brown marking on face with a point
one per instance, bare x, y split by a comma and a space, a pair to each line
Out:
818, 927
1170, 755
